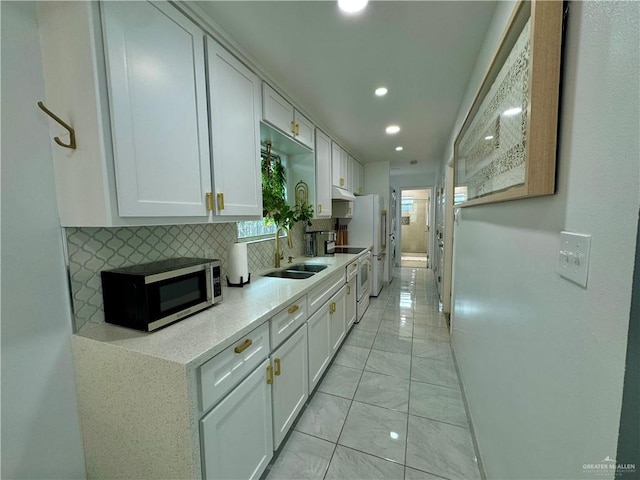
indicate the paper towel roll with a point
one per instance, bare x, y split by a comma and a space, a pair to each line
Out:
238, 263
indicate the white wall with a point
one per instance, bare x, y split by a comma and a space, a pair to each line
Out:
542, 359
40, 426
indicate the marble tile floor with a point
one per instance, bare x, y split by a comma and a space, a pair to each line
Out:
390, 405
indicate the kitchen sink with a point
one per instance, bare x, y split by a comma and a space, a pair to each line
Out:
290, 274
306, 267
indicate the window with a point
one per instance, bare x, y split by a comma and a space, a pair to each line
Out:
258, 229
255, 229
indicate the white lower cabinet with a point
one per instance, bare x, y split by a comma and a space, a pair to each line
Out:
290, 383
351, 302
237, 440
320, 347
338, 320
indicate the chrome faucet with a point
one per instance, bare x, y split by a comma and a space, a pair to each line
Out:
279, 255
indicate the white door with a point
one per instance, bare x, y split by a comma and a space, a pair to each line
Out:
157, 98
237, 440
290, 383
276, 110
304, 129
320, 351
323, 176
338, 318
337, 177
350, 303
234, 95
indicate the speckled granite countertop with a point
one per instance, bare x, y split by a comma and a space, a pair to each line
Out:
194, 340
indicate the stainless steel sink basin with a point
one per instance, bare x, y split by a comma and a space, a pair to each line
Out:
306, 267
290, 274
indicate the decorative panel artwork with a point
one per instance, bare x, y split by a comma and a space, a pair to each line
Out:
492, 151
506, 148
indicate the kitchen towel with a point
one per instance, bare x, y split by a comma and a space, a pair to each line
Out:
238, 263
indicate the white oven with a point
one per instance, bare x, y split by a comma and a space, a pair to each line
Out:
363, 289
364, 276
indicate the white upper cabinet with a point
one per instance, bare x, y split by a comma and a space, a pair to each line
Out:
358, 178
158, 106
304, 129
337, 175
351, 171
131, 78
323, 175
235, 102
281, 114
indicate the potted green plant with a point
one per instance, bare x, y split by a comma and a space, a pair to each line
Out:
275, 207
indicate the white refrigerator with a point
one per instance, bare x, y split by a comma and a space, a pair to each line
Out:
368, 227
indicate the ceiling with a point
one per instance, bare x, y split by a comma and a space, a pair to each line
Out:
330, 64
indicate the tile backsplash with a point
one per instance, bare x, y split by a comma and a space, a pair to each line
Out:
92, 250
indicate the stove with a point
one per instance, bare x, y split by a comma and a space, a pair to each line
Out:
352, 250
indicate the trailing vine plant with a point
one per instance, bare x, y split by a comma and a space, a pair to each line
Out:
275, 207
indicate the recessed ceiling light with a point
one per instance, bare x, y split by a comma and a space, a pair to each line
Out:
352, 6
381, 92
399, 149
489, 137
392, 129
512, 111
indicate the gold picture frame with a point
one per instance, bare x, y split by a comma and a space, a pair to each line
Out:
506, 147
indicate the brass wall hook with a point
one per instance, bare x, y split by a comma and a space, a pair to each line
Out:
72, 132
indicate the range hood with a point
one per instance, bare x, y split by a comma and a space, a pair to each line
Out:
338, 193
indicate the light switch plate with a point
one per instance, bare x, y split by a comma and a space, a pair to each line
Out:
573, 257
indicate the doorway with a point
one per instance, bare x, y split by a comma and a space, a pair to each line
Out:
415, 208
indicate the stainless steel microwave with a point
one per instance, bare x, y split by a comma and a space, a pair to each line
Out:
152, 295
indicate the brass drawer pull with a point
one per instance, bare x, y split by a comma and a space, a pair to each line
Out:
269, 374
220, 201
209, 197
348, 289
293, 309
278, 367
332, 307
241, 348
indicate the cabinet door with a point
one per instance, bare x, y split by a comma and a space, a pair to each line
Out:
350, 177
350, 303
359, 179
344, 158
336, 165
338, 318
237, 439
157, 98
290, 383
323, 175
320, 351
277, 111
234, 98
304, 129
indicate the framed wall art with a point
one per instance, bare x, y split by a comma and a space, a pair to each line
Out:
506, 148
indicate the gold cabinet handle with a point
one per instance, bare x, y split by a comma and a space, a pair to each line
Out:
297, 129
241, 348
269, 374
332, 307
319, 208
278, 366
348, 289
209, 199
341, 182
293, 309
220, 201
293, 127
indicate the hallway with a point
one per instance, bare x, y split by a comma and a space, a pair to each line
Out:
390, 406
